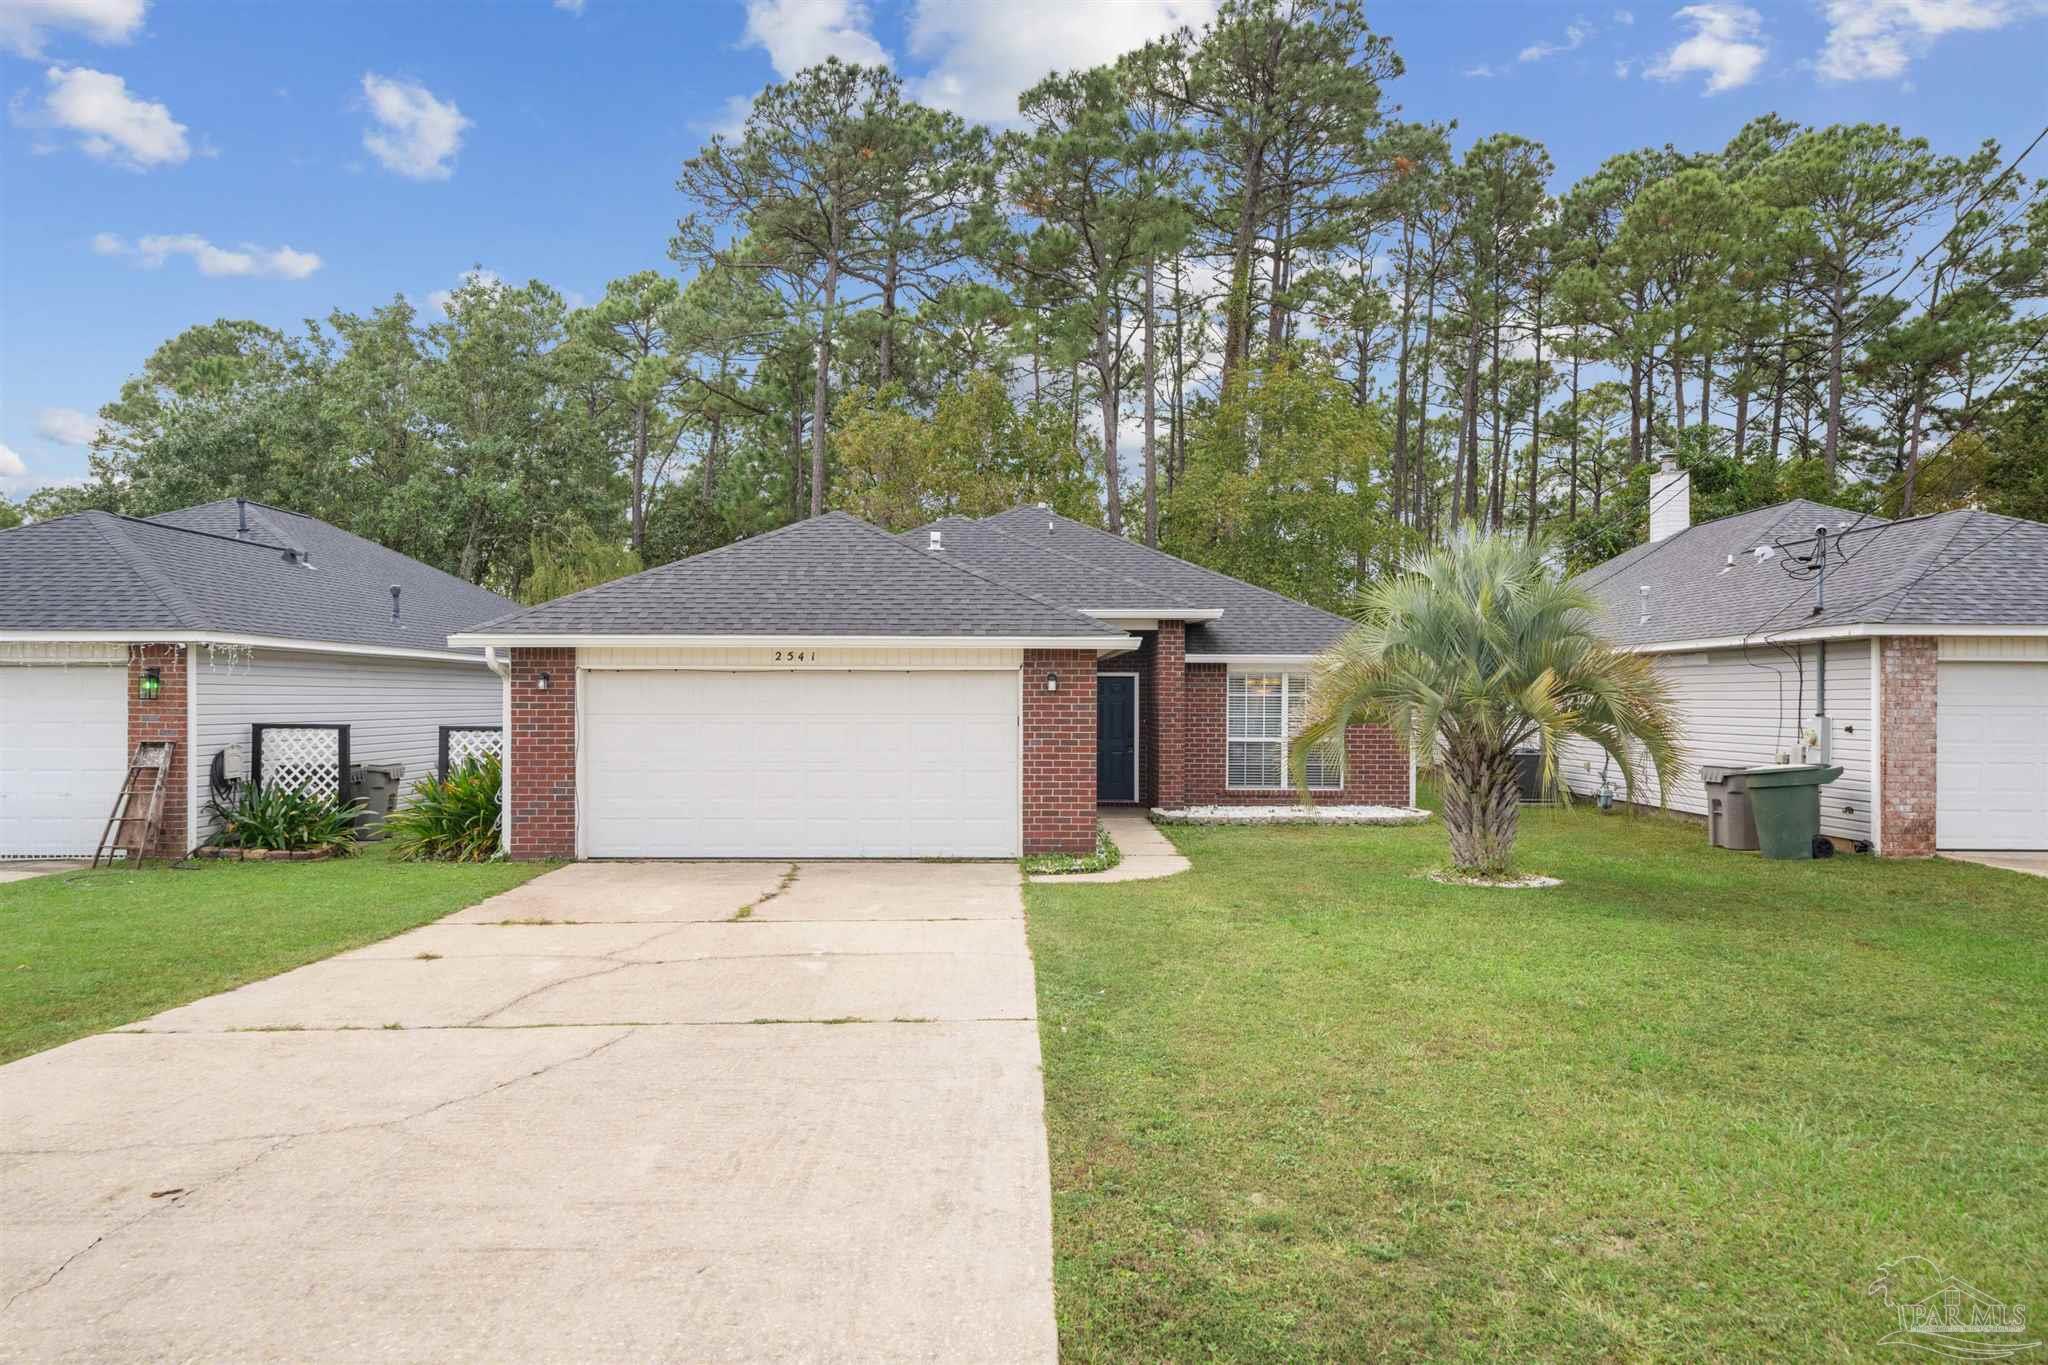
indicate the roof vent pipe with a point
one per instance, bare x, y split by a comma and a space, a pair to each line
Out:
394, 601
241, 517
936, 547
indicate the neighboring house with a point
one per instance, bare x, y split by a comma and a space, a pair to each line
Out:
970, 689
1919, 664
201, 625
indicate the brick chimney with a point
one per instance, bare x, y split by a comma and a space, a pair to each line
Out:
1670, 501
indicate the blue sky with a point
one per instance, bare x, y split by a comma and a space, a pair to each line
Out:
167, 163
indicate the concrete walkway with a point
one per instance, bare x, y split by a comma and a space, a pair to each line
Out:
2033, 864
1146, 852
634, 1111
22, 871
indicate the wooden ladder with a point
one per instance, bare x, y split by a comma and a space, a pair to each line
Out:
133, 829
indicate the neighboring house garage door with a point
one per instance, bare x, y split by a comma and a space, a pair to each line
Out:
1991, 756
63, 754
786, 765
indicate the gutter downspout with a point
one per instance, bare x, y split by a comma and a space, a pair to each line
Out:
503, 669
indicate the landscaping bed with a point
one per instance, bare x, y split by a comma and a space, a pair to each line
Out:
1294, 814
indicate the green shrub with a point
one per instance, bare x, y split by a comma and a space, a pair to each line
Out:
453, 818
280, 819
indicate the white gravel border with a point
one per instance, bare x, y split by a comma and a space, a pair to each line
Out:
1291, 814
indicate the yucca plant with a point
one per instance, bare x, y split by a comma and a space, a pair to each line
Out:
453, 818
279, 819
1476, 650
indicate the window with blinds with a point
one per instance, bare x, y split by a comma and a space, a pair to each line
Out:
1263, 710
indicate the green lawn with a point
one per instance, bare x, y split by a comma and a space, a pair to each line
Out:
85, 951
1305, 1103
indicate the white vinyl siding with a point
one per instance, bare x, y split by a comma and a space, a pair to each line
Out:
394, 708
1745, 713
1262, 711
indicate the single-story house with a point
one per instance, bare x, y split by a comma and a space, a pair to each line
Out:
968, 689
258, 641
1917, 661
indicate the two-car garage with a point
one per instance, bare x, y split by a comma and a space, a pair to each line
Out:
824, 763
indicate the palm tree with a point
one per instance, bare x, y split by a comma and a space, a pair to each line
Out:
1477, 650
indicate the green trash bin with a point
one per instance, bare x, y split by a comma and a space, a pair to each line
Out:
1786, 801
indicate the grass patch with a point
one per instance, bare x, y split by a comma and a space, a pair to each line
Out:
1105, 856
86, 951
1305, 1103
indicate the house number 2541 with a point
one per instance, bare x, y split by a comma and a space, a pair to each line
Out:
796, 656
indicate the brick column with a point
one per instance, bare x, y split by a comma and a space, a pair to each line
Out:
163, 719
542, 754
1059, 752
1908, 673
1170, 712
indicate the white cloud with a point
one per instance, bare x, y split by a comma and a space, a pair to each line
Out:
1483, 71
417, 135
1624, 17
24, 24
574, 7
1878, 39
11, 465
1726, 45
1575, 35
112, 124
801, 33
67, 426
981, 55
1621, 68
244, 262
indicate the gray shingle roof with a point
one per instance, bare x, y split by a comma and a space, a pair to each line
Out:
831, 575
187, 571
1963, 568
1255, 620
1046, 570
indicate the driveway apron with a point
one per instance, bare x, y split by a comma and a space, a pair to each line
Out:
628, 1111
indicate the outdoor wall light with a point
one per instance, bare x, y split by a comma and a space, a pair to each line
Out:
545, 680
152, 685
1052, 682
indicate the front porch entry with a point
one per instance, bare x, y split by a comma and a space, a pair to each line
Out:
1116, 738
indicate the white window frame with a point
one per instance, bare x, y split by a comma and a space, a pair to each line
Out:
1293, 698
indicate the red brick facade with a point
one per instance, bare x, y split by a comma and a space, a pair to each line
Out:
1909, 672
542, 754
1181, 746
163, 719
1375, 766
1059, 752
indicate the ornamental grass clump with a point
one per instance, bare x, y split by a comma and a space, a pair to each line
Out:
453, 818
1477, 650
281, 820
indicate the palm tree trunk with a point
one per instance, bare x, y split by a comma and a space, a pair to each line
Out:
1481, 806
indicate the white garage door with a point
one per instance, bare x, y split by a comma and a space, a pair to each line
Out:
63, 754
813, 765
1991, 756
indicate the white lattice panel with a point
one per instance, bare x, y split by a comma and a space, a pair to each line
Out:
464, 745
305, 760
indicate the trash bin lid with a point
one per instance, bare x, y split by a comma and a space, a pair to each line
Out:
1792, 775
1718, 772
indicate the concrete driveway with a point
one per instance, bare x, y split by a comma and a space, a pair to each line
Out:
628, 1111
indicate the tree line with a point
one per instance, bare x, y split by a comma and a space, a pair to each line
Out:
1217, 295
